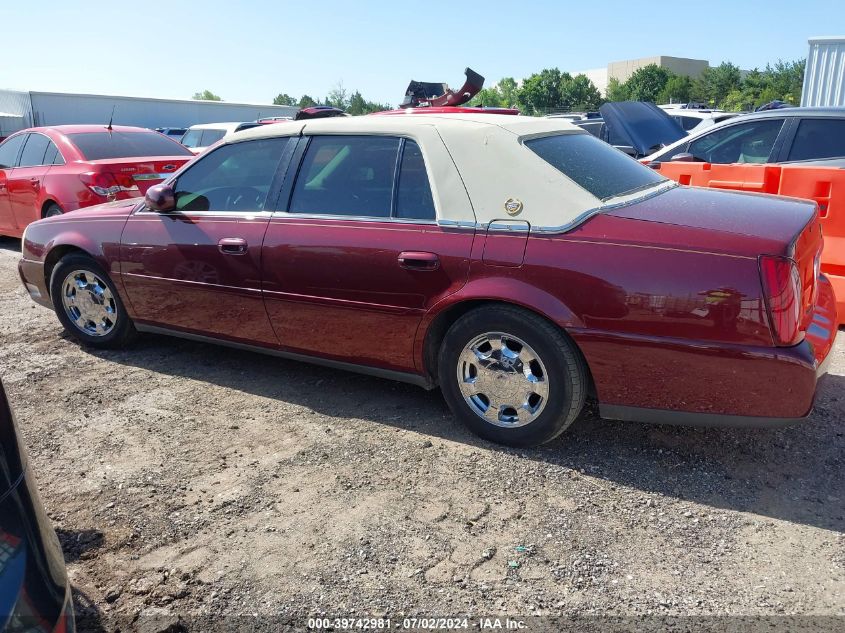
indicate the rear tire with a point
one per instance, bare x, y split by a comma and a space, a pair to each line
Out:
53, 210
511, 376
87, 303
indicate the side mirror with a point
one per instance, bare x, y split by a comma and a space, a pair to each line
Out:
684, 157
160, 198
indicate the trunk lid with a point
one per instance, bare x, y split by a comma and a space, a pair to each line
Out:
788, 227
141, 172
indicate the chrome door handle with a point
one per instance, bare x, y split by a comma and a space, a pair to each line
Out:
232, 246
418, 260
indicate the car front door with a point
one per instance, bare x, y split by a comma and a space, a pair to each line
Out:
754, 141
10, 149
197, 268
25, 181
355, 256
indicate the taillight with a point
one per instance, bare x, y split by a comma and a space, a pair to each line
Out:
107, 184
782, 285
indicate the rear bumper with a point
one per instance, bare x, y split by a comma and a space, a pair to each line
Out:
695, 383
32, 276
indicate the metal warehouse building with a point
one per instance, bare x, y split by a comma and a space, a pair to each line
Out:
20, 110
824, 77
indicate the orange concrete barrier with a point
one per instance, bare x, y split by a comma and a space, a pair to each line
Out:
824, 185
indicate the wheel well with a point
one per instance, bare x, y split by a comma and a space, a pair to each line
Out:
443, 321
53, 258
46, 206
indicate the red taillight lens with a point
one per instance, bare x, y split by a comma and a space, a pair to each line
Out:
105, 183
782, 285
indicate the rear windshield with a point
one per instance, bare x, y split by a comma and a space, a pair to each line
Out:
594, 165
100, 145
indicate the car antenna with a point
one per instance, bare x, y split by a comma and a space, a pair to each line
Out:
111, 118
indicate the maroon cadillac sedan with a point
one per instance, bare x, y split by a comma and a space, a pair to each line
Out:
519, 264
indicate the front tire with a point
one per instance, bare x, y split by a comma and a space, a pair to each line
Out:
511, 376
88, 305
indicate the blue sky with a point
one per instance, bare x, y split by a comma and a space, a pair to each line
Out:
251, 50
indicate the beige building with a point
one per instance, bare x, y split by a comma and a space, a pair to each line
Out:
622, 70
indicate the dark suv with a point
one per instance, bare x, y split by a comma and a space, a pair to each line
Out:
788, 135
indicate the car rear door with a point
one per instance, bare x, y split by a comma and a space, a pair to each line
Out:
197, 268
354, 256
25, 181
10, 149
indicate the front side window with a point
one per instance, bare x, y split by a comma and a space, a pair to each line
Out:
9, 150
818, 138
235, 177
33, 151
347, 175
750, 142
594, 165
102, 145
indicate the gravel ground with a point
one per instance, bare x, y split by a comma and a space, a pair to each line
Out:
195, 483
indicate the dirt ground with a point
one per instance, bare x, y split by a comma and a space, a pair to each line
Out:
195, 483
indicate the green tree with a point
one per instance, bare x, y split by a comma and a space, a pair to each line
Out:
206, 95
490, 97
338, 97
579, 93
540, 93
617, 90
647, 83
359, 105
284, 99
678, 89
306, 102
716, 83
509, 91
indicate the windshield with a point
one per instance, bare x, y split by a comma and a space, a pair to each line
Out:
101, 145
594, 165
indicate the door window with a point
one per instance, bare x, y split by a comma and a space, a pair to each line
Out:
33, 151
235, 177
53, 156
347, 175
413, 198
750, 142
9, 150
818, 138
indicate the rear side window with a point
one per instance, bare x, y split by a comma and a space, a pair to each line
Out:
818, 138
593, 164
210, 137
192, 138
413, 197
33, 151
687, 122
53, 156
9, 150
347, 175
234, 177
102, 145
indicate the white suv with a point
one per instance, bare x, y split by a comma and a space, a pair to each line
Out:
200, 137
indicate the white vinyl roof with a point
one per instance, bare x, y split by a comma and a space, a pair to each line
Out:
476, 163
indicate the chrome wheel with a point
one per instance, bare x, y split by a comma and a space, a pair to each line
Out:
503, 380
89, 303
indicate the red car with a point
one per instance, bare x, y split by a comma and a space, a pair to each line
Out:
520, 264
48, 171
